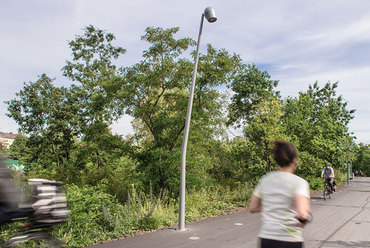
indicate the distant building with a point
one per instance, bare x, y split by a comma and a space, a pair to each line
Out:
6, 139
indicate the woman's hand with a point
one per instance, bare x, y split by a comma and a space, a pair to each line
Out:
303, 222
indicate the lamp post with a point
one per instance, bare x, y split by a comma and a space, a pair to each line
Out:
210, 15
348, 166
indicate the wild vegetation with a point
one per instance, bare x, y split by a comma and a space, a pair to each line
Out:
118, 185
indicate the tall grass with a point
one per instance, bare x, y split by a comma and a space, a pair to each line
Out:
96, 216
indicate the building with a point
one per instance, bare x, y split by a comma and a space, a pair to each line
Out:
6, 139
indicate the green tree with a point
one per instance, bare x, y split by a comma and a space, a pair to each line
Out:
157, 96
43, 113
362, 160
250, 87
255, 106
264, 128
317, 120
18, 149
235, 162
56, 118
98, 91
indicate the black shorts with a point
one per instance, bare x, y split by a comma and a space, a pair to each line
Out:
270, 243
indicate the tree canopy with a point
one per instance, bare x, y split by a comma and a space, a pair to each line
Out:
67, 129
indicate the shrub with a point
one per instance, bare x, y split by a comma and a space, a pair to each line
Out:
97, 216
216, 200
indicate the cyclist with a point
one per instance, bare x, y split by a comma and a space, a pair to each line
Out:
48, 209
9, 194
329, 175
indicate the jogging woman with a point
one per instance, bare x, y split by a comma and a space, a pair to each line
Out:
283, 199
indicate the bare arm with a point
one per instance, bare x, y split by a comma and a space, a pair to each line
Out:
256, 204
303, 207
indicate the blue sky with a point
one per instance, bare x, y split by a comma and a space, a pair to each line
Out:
298, 42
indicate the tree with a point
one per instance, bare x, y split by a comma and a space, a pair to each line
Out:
157, 96
362, 161
55, 118
264, 128
43, 113
18, 149
255, 106
98, 91
318, 121
250, 87
156, 87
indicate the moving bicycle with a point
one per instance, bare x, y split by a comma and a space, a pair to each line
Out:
328, 174
46, 208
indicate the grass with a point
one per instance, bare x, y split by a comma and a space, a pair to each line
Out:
111, 220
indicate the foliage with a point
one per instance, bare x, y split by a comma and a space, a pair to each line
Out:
158, 87
317, 120
157, 96
97, 94
309, 165
117, 186
256, 105
43, 115
264, 128
87, 223
18, 149
214, 201
54, 119
250, 87
362, 161
97, 216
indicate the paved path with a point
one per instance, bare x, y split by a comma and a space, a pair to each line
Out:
343, 221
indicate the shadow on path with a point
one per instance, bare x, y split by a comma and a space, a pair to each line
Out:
349, 244
317, 198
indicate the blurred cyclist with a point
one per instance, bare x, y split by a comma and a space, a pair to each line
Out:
328, 172
9, 195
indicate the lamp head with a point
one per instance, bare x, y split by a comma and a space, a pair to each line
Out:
210, 14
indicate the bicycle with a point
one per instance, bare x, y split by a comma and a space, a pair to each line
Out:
327, 190
48, 208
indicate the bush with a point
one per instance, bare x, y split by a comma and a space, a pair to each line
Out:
216, 200
316, 183
97, 216
87, 223
309, 166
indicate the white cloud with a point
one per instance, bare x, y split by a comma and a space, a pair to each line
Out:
358, 31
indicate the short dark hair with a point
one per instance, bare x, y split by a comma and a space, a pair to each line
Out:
284, 152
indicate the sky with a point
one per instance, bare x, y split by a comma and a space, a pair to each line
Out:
297, 42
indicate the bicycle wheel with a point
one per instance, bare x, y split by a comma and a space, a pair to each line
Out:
50, 241
326, 192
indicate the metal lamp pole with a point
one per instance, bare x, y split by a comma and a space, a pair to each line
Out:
210, 15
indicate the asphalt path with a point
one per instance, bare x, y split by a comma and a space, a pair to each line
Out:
342, 221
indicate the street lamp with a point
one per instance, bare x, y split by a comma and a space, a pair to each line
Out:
210, 15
